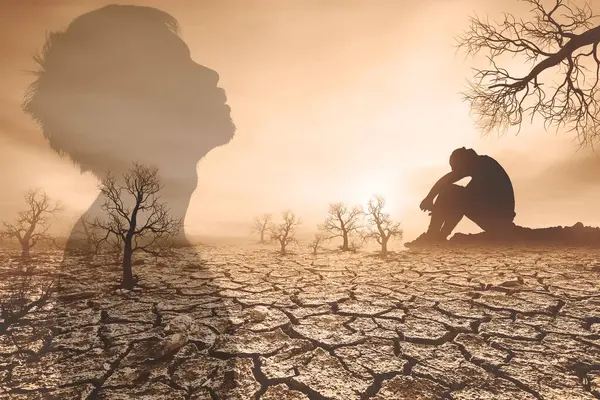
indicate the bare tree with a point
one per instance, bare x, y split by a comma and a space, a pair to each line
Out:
560, 45
381, 228
285, 232
135, 217
32, 225
342, 222
261, 225
317, 243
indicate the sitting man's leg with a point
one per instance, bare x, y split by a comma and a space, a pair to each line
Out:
447, 212
491, 217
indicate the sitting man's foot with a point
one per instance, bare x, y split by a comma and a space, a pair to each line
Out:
426, 239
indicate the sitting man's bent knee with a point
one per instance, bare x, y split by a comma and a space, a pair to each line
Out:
452, 198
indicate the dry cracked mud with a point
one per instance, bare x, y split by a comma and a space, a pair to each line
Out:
249, 324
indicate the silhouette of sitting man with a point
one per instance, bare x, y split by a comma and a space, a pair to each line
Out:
488, 199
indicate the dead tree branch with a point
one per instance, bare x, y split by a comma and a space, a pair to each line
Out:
560, 46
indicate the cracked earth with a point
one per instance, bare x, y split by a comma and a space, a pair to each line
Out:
231, 323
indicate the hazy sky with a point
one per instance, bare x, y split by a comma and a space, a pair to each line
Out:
333, 101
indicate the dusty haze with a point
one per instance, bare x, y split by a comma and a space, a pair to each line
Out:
333, 101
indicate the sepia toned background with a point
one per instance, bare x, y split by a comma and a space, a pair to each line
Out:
333, 101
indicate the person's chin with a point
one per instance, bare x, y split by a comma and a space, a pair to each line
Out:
228, 133
215, 142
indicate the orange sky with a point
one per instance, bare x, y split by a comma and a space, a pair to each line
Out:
333, 101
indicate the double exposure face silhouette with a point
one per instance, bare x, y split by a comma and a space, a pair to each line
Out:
119, 85
116, 87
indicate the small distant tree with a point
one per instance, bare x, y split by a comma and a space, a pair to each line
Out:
317, 243
261, 226
285, 232
380, 226
31, 225
134, 217
357, 241
342, 222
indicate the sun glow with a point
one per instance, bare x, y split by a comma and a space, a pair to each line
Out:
370, 185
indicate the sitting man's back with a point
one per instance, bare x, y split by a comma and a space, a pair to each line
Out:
490, 187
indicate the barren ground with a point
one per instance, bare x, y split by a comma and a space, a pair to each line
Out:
247, 323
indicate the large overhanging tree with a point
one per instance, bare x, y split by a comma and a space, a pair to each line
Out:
559, 45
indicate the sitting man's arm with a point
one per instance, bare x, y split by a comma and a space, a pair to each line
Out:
448, 179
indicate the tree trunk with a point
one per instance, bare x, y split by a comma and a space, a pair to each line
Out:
127, 272
262, 237
345, 246
25, 248
384, 249
282, 247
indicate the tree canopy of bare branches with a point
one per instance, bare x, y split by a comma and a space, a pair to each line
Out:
134, 216
342, 222
31, 225
285, 232
380, 226
260, 225
559, 44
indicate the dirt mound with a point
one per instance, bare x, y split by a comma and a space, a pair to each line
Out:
576, 235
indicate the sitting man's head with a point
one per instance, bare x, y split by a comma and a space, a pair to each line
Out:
462, 159
118, 85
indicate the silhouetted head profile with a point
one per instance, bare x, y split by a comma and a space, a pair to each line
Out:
463, 159
118, 85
